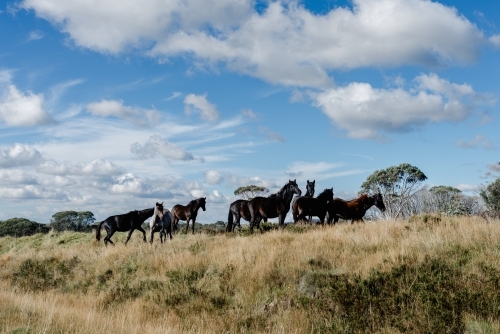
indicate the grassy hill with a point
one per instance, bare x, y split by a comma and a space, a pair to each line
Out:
426, 275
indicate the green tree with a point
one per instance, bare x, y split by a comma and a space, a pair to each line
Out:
18, 227
251, 191
491, 196
72, 221
397, 184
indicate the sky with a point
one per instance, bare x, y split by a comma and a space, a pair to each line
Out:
110, 106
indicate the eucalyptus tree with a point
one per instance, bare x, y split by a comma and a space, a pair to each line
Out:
398, 185
251, 191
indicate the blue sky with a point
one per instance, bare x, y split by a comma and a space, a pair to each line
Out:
113, 105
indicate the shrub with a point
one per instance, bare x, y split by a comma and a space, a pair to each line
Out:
18, 227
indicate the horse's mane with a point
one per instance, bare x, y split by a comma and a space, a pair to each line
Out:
281, 191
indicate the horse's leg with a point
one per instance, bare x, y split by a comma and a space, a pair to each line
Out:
152, 234
109, 234
129, 235
143, 233
162, 231
187, 224
193, 222
175, 221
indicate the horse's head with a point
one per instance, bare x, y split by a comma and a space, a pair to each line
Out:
293, 187
158, 210
201, 202
379, 202
310, 188
328, 193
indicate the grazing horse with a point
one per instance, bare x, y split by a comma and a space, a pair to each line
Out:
162, 222
237, 210
309, 193
126, 222
275, 205
354, 209
187, 212
313, 206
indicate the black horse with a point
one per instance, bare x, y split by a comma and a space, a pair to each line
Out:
275, 205
237, 210
309, 193
187, 212
355, 209
313, 206
121, 223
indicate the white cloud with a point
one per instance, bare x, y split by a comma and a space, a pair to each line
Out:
311, 170
96, 167
285, 44
18, 108
468, 187
19, 155
477, 141
138, 116
16, 177
207, 110
130, 184
156, 146
31, 192
36, 35
365, 111
213, 177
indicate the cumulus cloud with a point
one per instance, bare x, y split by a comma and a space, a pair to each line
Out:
364, 111
130, 184
19, 155
31, 192
284, 43
16, 177
200, 103
96, 167
155, 146
138, 116
213, 177
477, 141
20, 108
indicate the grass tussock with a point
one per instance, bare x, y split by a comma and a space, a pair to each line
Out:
425, 275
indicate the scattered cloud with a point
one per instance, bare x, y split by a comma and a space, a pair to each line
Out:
271, 135
284, 44
19, 155
35, 35
207, 110
366, 112
174, 96
155, 146
96, 167
248, 113
138, 116
19, 108
477, 142
213, 177
468, 187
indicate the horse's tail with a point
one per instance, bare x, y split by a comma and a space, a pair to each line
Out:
230, 219
98, 231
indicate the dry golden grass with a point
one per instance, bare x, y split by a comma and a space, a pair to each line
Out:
67, 283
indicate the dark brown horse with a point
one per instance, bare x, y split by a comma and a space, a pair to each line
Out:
122, 223
237, 210
309, 193
354, 209
187, 212
313, 206
274, 206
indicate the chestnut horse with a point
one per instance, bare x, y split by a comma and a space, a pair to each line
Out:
313, 206
274, 206
354, 209
309, 193
187, 212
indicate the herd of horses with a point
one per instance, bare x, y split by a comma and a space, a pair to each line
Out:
324, 206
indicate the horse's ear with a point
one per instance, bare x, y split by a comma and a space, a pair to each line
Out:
314, 181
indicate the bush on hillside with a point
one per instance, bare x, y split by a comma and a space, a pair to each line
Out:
18, 227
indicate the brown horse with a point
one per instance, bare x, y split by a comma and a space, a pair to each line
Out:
187, 212
309, 193
313, 206
237, 210
274, 206
354, 209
